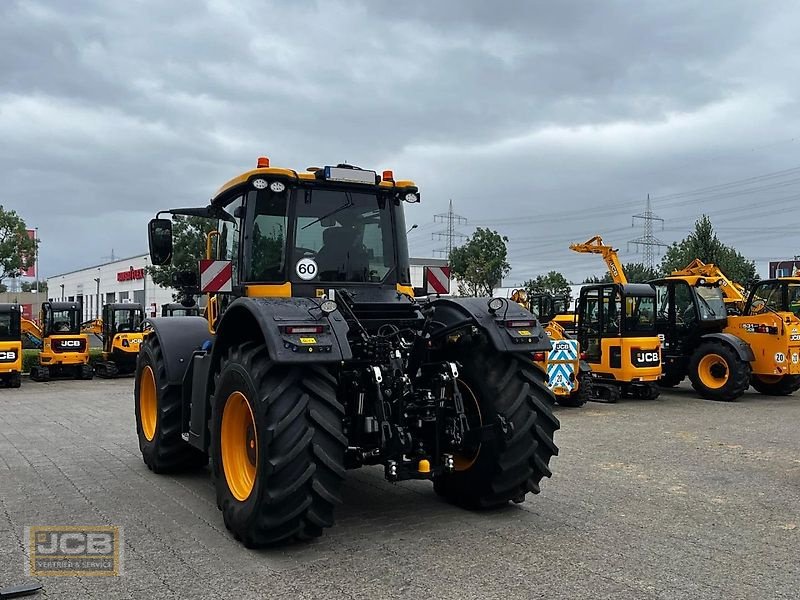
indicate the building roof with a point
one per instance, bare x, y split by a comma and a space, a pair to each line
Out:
104, 264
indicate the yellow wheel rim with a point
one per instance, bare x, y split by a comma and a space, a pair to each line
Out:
467, 456
713, 371
239, 446
148, 403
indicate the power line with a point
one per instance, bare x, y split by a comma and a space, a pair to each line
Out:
449, 234
647, 240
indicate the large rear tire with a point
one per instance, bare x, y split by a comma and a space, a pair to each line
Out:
506, 389
669, 379
159, 407
717, 372
785, 385
277, 447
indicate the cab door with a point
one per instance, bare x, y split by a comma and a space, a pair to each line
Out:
590, 324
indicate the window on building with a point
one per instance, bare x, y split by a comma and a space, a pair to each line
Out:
138, 296
123, 296
111, 297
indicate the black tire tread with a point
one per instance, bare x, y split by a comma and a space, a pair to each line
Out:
739, 372
301, 420
581, 396
785, 386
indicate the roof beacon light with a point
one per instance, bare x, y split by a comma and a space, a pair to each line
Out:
388, 175
263, 162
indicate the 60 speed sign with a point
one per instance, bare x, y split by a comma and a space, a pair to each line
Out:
306, 268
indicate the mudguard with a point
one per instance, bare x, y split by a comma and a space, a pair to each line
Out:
741, 347
451, 314
272, 316
178, 337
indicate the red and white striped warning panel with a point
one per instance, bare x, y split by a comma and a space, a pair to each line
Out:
216, 276
437, 280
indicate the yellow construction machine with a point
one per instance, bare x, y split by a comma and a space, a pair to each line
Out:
316, 358
120, 330
10, 345
568, 374
617, 331
723, 353
65, 349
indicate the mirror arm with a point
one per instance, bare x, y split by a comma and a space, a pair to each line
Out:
208, 212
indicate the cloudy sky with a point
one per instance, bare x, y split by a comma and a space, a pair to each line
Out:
547, 121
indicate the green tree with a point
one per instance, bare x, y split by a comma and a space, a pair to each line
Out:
481, 263
635, 272
703, 243
553, 283
31, 287
17, 250
188, 247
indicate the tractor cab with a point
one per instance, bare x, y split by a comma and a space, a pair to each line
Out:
176, 309
122, 318
774, 295
10, 344
617, 333
60, 318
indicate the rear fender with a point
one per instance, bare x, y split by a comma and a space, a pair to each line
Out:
741, 347
178, 337
453, 314
267, 319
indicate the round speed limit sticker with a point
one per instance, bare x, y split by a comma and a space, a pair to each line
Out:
306, 268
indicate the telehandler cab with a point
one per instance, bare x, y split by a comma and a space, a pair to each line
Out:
10, 345
65, 349
316, 358
120, 330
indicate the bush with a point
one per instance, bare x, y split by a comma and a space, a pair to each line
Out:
30, 358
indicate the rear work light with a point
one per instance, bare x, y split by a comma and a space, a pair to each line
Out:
538, 356
301, 329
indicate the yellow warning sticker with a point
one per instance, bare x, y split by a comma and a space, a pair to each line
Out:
308, 340
524, 332
319, 292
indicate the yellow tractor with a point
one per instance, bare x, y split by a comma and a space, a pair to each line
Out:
10, 345
722, 353
65, 349
316, 358
569, 376
617, 331
120, 330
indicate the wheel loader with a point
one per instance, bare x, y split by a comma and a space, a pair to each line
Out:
65, 349
723, 354
10, 345
617, 331
120, 330
316, 358
569, 376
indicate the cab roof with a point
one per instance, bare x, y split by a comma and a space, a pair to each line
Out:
125, 306
231, 187
62, 305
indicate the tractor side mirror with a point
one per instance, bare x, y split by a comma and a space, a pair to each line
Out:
159, 236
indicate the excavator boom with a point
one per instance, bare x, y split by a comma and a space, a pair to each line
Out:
595, 245
733, 292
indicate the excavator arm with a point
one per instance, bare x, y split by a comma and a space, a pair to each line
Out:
95, 326
33, 332
595, 245
733, 292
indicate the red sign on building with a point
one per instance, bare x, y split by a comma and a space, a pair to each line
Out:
130, 275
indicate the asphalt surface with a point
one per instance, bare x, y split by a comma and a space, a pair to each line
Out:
673, 498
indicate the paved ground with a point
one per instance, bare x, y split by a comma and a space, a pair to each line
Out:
676, 498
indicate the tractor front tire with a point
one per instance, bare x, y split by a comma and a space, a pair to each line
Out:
717, 372
509, 393
581, 396
277, 447
159, 408
785, 385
